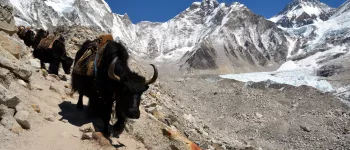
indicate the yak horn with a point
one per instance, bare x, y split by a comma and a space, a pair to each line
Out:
111, 68
155, 75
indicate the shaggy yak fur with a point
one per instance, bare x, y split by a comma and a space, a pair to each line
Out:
55, 55
28, 37
113, 81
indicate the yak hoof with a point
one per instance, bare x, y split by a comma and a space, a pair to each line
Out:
118, 130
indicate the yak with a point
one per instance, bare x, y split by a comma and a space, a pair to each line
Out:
112, 81
26, 35
40, 34
54, 54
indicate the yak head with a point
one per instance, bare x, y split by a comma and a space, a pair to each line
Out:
41, 33
131, 88
67, 63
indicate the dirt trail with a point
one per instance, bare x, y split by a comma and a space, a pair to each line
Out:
57, 125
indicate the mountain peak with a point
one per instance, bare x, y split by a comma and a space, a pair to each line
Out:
303, 12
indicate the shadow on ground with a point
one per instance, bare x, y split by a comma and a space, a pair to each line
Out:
78, 118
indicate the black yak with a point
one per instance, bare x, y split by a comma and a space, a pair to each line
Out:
52, 50
40, 34
110, 80
26, 35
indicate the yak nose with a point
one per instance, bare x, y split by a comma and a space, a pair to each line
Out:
134, 113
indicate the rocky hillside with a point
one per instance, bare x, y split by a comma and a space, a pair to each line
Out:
303, 12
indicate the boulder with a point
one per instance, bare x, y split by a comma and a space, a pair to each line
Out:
16, 128
5, 111
13, 46
8, 98
22, 71
57, 89
87, 136
21, 82
34, 63
7, 21
98, 136
87, 128
22, 118
8, 122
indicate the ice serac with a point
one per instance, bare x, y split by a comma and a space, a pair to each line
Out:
303, 12
322, 42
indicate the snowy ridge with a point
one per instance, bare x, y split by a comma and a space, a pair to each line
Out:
302, 12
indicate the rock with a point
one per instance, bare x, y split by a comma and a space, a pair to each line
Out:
329, 70
7, 22
87, 128
57, 89
75, 39
5, 111
21, 106
16, 128
64, 120
50, 118
22, 118
180, 80
4, 73
159, 115
201, 131
63, 77
19, 70
68, 86
8, 122
53, 77
8, 98
305, 128
34, 63
44, 73
98, 136
87, 136
36, 108
189, 118
21, 82
37, 87
174, 135
258, 115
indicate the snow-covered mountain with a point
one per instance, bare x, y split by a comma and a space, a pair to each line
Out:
302, 12
236, 40
207, 35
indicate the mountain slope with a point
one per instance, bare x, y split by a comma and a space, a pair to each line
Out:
241, 41
302, 12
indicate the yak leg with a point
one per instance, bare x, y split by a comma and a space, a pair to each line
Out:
80, 102
53, 69
42, 65
106, 117
119, 126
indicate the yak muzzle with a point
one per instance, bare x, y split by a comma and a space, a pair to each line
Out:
133, 113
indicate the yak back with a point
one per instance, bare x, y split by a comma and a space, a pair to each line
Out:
38, 37
56, 53
46, 43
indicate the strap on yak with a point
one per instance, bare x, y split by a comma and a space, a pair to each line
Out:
102, 41
89, 62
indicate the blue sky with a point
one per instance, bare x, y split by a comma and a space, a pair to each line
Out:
164, 10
